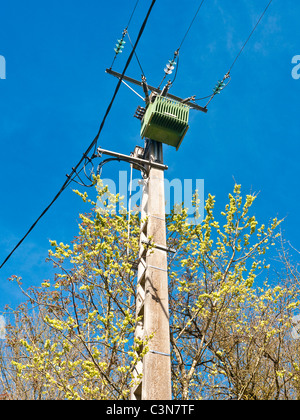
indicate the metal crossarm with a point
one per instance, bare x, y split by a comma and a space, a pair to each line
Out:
192, 105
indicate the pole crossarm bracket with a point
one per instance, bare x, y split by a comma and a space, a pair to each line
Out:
156, 90
132, 159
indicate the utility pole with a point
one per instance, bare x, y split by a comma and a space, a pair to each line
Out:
152, 287
153, 373
164, 120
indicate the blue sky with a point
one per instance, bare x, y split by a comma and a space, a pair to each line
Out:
56, 92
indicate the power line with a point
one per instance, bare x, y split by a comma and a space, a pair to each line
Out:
136, 56
221, 85
193, 20
252, 32
35, 223
136, 4
172, 63
121, 41
93, 143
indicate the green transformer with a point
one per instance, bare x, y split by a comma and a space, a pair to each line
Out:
166, 121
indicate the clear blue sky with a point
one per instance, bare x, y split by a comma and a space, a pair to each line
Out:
56, 92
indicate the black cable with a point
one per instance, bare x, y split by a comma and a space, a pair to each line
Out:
89, 177
144, 172
93, 143
35, 223
204, 97
82, 183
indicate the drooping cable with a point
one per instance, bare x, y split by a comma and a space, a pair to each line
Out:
93, 143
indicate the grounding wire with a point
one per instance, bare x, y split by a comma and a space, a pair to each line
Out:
93, 143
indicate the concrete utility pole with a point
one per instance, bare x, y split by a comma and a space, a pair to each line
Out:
152, 289
165, 121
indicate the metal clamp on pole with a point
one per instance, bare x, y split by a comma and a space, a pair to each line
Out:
132, 159
162, 248
159, 352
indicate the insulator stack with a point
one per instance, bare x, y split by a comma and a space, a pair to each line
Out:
219, 87
140, 112
170, 67
120, 46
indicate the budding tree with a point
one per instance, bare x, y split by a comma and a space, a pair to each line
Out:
230, 318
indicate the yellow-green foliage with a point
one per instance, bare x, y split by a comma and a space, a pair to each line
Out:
227, 320
230, 326
89, 313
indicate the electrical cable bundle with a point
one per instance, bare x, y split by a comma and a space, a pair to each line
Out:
170, 67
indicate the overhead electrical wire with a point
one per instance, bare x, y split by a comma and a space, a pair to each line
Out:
220, 86
132, 13
175, 61
189, 28
121, 41
93, 143
252, 32
221, 83
136, 56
